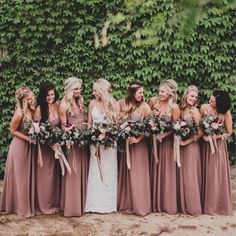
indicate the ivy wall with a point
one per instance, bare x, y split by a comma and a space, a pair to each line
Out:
52, 40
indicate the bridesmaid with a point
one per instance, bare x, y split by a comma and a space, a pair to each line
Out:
73, 192
190, 174
217, 196
134, 194
18, 189
47, 176
163, 174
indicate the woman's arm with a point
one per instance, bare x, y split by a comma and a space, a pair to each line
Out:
175, 117
91, 105
37, 114
14, 125
228, 126
176, 112
62, 115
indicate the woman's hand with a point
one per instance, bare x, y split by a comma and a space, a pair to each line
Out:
133, 140
32, 141
206, 138
182, 143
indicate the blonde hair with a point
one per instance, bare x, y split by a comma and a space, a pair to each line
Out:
70, 84
104, 89
171, 88
183, 102
21, 101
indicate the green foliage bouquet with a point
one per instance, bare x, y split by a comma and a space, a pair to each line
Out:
211, 125
184, 129
104, 134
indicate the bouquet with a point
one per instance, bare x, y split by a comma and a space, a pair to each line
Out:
69, 134
165, 123
211, 125
131, 129
156, 125
103, 134
184, 129
36, 131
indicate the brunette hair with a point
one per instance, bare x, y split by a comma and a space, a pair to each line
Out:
223, 102
42, 101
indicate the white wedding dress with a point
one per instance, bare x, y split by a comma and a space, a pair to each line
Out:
102, 195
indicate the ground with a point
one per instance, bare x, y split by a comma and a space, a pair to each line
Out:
119, 224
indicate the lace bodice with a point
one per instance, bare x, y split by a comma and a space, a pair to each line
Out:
98, 116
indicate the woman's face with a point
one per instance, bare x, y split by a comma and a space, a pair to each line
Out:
163, 95
139, 94
212, 101
77, 91
30, 98
51, 96
95, 93
192, 98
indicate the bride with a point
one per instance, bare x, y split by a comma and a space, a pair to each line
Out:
102, 192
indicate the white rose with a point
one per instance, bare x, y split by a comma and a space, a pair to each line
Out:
127, 128
206, 124
177, 126
215, 125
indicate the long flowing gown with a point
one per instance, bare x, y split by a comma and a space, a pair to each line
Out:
134, 194
19, 184
217, 195
102, 192
190, 178
164, 177
48, 180
74, 185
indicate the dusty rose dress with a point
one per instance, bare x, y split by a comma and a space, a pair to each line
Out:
163, 178
190, 178
134, 194
217, 196
48, 180
19, 185
74, 186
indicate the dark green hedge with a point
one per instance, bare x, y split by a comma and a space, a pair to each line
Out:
51, 40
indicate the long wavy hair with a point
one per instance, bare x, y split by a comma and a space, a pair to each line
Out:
21, 101
171, 88
183, 102
131, 103
42, 101
70, 84
104, 89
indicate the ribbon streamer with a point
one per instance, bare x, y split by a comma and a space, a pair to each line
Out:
62, 159
98, 155
40, 158
74, 163
177, 150
154, 145
215, 142
128, 163
211, 144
